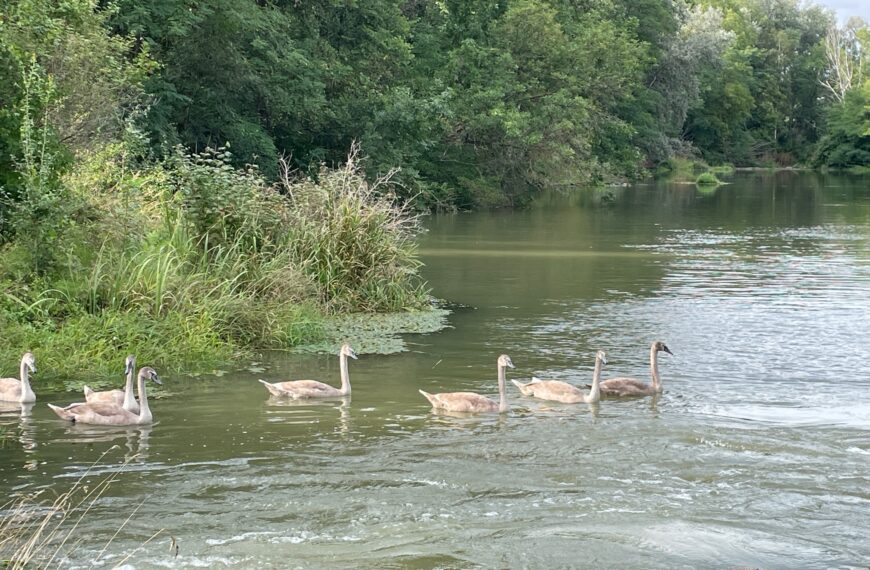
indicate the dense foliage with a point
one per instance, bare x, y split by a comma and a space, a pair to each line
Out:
478, 102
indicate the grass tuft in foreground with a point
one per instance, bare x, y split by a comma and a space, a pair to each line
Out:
39, 531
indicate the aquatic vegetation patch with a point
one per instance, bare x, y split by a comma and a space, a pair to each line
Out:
377, 333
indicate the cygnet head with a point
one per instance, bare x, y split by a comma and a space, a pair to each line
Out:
504, 361
129, 365
602, 356
30, 361
346, 350
150, 374
662, 347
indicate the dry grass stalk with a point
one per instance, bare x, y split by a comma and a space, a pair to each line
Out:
36, 533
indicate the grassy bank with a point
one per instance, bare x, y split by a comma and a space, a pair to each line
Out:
189, 262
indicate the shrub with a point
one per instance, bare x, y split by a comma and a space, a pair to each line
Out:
222, 204
40, 214
707, 179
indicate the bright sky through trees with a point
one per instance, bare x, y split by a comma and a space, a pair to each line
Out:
847, 8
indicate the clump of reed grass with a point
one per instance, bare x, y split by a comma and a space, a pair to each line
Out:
355, 240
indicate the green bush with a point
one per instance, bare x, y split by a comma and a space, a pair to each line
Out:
224, 205
707, 179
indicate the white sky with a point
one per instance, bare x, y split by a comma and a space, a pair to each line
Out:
848, 8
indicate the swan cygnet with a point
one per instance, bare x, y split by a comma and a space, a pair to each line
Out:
625, 387
558, 391
123, 398
109, 413
15, 390
302, 389
471, 402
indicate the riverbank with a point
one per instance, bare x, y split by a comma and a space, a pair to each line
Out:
191, 263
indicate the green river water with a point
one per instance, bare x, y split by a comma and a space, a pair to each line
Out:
756, 455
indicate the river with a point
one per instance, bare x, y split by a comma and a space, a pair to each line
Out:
756, 455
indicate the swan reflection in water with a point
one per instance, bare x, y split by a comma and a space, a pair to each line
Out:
470, 421
567, 410
303, 405
135, 438
19, 417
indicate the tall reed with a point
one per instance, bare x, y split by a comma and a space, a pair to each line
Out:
355, 240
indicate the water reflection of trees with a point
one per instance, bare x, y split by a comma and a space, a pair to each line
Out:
574, 245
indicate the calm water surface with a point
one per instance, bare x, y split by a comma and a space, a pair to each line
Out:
757, 454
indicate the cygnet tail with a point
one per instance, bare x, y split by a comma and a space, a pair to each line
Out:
62, 413
88, 392
271, 388
524, 388
429, 397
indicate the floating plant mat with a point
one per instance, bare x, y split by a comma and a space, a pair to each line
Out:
376, 333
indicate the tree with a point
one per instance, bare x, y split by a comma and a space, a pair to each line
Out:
771, 82
845, 56
847, 142
89, 85
697, 48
